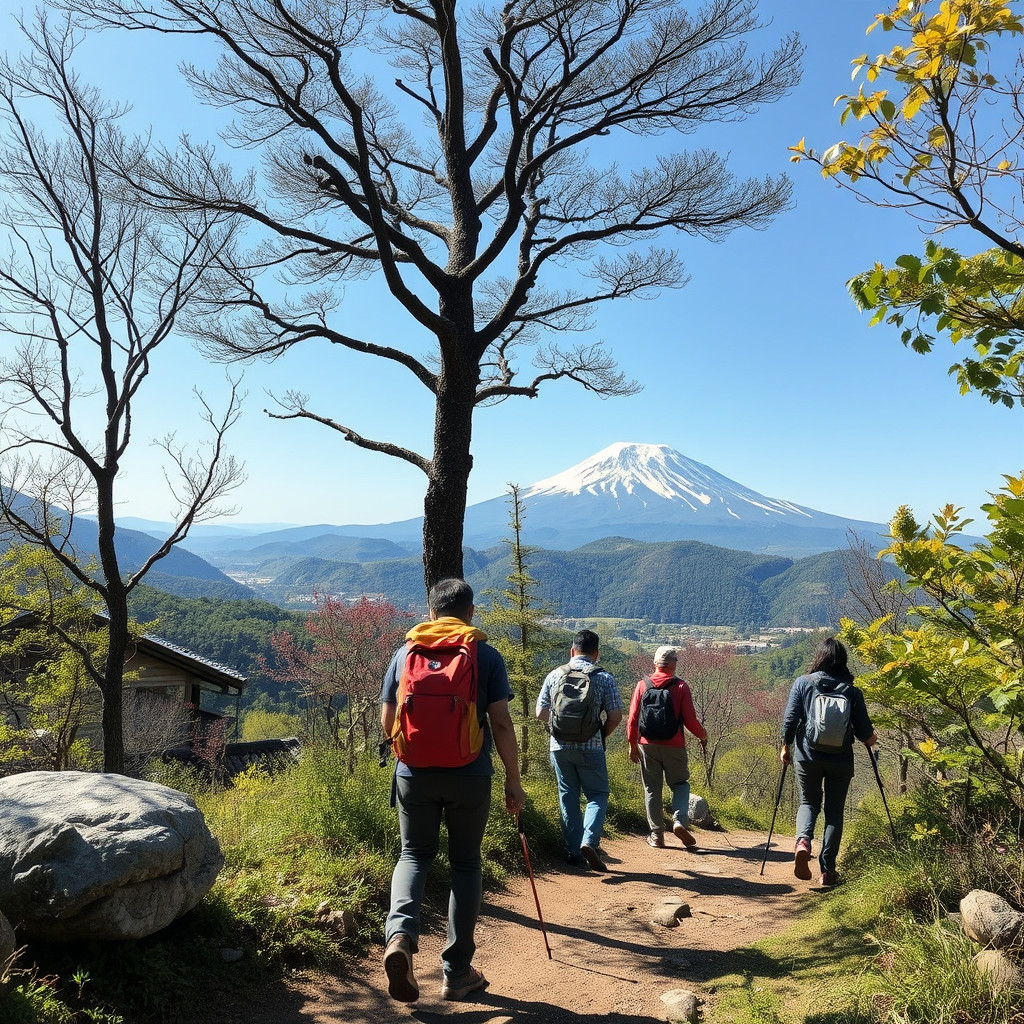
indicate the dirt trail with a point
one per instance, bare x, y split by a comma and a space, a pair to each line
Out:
607, 958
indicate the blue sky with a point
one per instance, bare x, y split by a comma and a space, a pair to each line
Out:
761, 367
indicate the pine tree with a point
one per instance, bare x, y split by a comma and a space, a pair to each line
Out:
514, 622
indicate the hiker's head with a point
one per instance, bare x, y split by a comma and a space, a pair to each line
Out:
665, 658
830, 657
451, 597
585, 642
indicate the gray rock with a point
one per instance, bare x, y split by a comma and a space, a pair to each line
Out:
700, 814
989, 920
681, 1005
669, 912
84, 855
1002, 972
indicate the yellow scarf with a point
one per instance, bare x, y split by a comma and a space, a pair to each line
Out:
443, 632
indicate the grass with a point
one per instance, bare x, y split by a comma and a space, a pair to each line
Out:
883, 948
879, 950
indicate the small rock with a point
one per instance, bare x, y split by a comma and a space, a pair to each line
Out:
669, 912
699, 811
1002, 972
989, 920
231, 956
342, 921
681, 1005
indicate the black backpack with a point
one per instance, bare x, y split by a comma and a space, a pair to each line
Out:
575, 706
657, 718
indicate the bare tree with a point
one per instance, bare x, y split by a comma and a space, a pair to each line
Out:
90, 285
484, 184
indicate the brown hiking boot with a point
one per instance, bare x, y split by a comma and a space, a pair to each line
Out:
802, 859
591, 857
402, 984
684, 835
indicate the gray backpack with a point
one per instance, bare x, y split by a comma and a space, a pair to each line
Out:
575, 706
827, 714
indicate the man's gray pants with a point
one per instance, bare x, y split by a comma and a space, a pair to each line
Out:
463, 801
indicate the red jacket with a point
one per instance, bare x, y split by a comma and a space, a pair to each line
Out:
682, 701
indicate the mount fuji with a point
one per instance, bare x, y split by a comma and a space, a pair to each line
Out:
646, 492
651, 492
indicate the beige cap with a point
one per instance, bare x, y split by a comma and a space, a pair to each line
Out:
666, 654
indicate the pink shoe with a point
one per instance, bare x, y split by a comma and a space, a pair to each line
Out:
802, 859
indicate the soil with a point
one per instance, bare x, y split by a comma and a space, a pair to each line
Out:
606, 957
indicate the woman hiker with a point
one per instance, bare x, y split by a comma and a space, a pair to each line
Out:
823, 716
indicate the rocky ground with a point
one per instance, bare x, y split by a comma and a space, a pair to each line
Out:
607, 958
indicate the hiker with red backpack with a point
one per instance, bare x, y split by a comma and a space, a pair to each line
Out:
825, 713
444, 703
659, 714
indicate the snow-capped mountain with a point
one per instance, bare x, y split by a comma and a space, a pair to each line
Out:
652, 492
641, 491
643, 476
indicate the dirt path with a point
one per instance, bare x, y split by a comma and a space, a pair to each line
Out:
607, 958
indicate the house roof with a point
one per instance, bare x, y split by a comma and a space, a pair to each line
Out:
206, 670
208, 673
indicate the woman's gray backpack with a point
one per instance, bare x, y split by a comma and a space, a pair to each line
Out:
827, 725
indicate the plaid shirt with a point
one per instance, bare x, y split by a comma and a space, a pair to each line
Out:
609, 699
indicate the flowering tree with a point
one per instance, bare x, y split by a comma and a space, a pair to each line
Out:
338, 666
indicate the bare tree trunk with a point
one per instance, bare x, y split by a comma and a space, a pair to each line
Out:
444, 506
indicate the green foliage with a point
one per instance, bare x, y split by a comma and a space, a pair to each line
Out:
944, 138
955, 680
514, 623
269, 725
49, 692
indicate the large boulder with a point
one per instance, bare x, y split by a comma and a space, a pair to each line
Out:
989, 920
100, 856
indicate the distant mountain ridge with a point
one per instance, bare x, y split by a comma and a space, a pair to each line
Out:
664, 581
646, 492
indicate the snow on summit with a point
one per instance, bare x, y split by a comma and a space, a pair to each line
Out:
631, 473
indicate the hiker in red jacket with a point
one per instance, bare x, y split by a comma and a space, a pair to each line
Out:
661, 706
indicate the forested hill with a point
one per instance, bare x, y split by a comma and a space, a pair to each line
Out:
669, 581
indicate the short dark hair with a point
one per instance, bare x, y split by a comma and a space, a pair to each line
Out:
586, 642
830, 657
451, 596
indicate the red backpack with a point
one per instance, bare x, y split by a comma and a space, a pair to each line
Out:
437, 724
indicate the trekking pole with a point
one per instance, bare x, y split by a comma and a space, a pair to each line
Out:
778, 797
533, 884
885, 803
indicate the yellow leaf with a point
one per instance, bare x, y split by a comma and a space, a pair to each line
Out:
928, 747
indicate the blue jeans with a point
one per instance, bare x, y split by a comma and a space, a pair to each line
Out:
578, 770
463, 801
833, 778
661, 764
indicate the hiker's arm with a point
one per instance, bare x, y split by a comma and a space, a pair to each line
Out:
791, 719
504, 732
611, 722
387, 717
